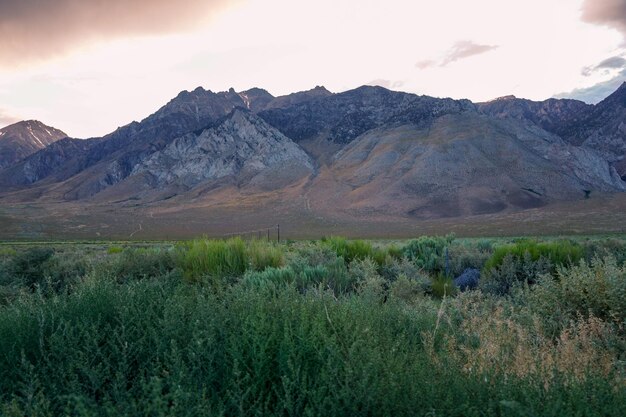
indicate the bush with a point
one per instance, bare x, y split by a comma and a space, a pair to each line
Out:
350, 250
514, 272
428, 253
135, 264
264, 255
558, 253
114, 249
523, 262
217, 258
588, 289
29, 266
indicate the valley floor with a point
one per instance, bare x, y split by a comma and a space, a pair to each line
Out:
600, 215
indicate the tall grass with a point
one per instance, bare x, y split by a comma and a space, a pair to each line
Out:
297, 330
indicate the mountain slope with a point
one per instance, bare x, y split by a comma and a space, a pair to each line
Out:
463, 164
601, 127
22, 139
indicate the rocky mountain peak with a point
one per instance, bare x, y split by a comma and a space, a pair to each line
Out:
21, 139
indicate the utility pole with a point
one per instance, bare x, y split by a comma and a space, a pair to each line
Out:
278, 232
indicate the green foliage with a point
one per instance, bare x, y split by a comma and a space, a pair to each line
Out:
115, 249
523, 262
562, 252
310, 328
597, 288
265, 255
30, 265
350, 250
443, 286
135, 264
428, 253
218, 258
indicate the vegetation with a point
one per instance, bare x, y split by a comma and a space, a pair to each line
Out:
332, 327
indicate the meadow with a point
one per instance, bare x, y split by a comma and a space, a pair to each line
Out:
329, 327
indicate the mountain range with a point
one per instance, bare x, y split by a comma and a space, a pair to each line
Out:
365, 153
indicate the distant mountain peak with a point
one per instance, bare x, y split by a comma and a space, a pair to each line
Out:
22, 139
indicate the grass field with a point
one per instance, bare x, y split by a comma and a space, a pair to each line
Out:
324, 327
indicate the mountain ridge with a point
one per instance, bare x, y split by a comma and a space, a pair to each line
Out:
363, 152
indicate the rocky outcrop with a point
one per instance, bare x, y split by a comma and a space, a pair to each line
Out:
243, 147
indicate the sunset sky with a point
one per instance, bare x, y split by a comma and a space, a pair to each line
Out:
89, 66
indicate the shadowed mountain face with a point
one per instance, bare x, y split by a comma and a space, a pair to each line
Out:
342, 117
22, 139
364, 152
601, 127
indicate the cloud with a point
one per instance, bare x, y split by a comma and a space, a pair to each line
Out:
427, 63
465, 49
598, 92
39, 29
7, 119
460, 50
388, 84
614, 62
611, 13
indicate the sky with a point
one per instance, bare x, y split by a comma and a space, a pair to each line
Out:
90, 66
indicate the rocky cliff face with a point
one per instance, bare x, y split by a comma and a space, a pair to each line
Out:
243, 147
22, 139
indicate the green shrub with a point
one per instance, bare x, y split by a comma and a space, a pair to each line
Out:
514, 272
350, 250
428, 253
524, 261
443, 286
264, 255
561, 252
597, 288
29, 266
217, 258
135, 264
115, 249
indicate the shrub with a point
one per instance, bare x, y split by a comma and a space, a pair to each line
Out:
562, 252
350, 250
464, 256
442, 286
428, 252
587, 289
114, 249
218, 258
513, 272
136, 264
29, 266
263, 255
407, 290
523, 262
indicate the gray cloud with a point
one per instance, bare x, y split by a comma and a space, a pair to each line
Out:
465, 49
614, 62
598, 92
38, 29
611, 13
458, 51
